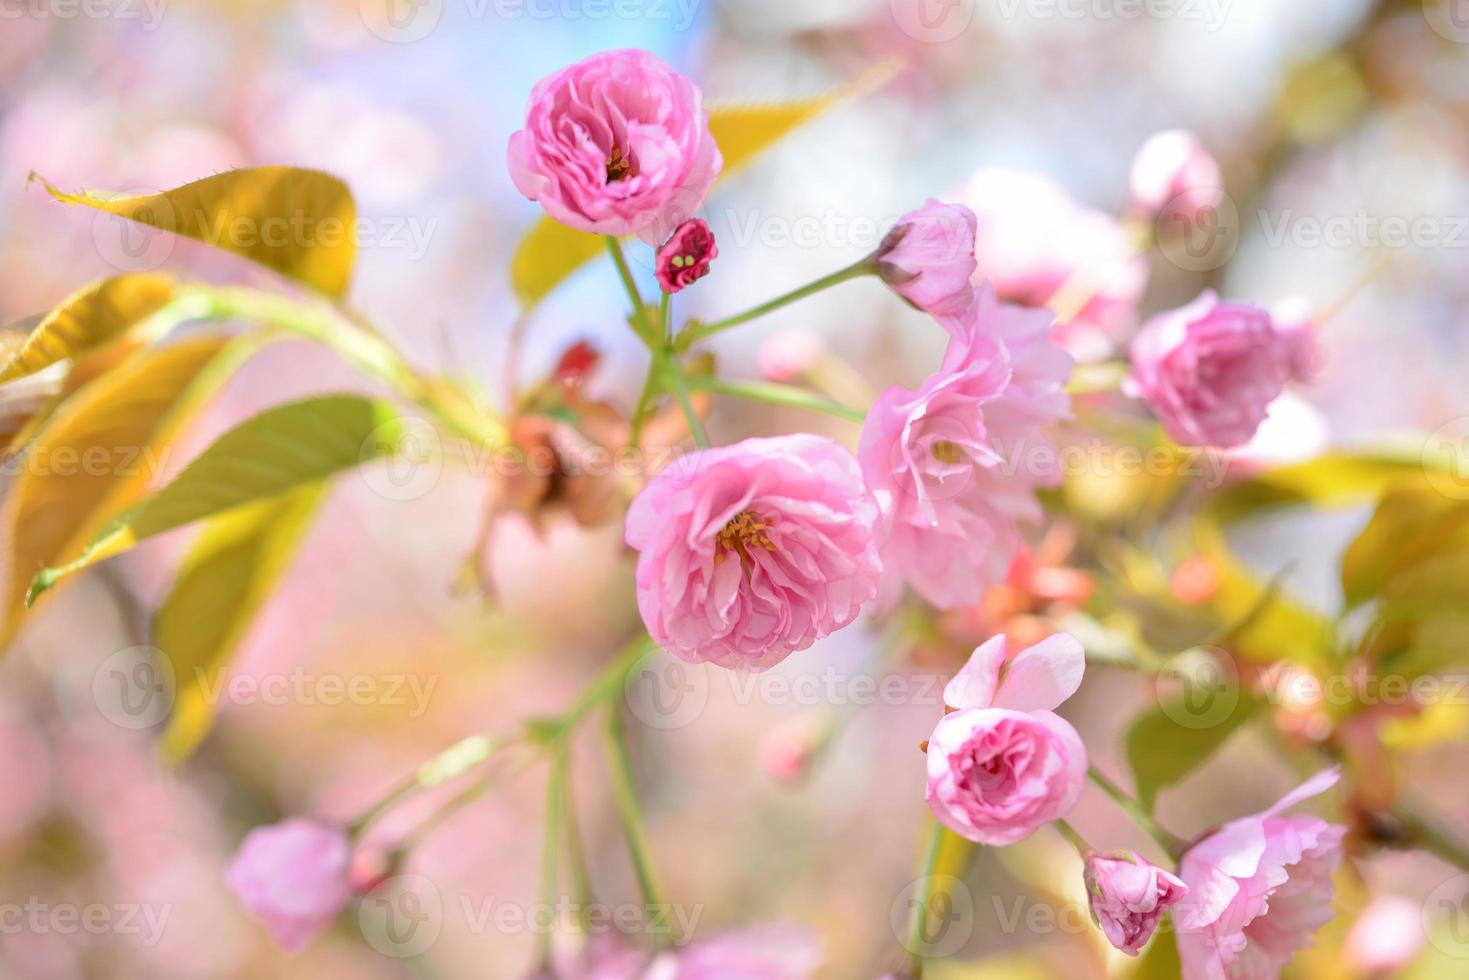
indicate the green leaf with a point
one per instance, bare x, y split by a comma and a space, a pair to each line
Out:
226, 577
87, 320
1336, 479
550, 251
1176, 736
276, 451
299, 223
92, 458
1160, 961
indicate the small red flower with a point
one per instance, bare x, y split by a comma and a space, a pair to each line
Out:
685, 257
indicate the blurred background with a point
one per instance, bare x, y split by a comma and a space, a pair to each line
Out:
1340, 126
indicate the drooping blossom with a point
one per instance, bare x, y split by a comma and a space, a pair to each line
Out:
1039, 247
1174, 179
955, 463
616, 144
1210, 370
1386, 937
928, 257
1259, 889
1002, 763
294, 876
685, 258
1128, 896
752, 551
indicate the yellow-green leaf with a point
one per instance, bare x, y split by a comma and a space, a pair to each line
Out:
226, 577
1337, 479
276, 451
550, 251
1176, 736
86, 320
94, 456
300, 223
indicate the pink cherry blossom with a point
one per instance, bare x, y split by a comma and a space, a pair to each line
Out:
1174, 179
1033, 239
1386, 936
1210, 370
685, 257
1128, 897
955, 463
1002, 763
1259, 888
752, 551
928, 257
789, 354
616, 144
294, 875
769, 951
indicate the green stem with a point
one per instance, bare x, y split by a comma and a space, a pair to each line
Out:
550, 843
629, 812
576, 854
1075, 839
777, 394
696, 333
1172, 845
680, 388
916, 929
639, 309
1427, 836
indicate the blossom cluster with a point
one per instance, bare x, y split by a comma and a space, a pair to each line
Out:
750, 552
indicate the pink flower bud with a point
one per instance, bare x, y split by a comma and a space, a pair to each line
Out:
293, 875
1175, 178
1386, 936
684, 258
1210, 370
928, 257
1128, 897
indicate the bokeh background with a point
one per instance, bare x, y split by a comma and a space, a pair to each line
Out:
1331, 115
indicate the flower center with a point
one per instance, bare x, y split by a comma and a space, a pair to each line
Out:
744, 531
619, 167
947, 452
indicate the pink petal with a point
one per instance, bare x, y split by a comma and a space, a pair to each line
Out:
1042, 677
974, 686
